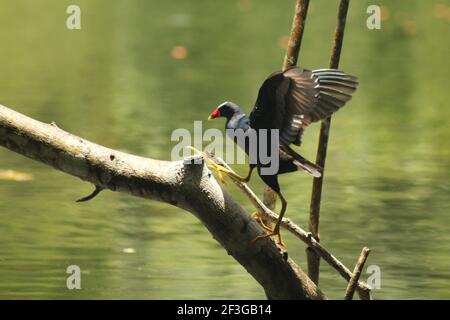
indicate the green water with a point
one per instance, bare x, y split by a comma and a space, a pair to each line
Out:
115, 82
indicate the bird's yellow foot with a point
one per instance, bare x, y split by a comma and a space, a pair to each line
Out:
219, 169
272, 233
212, 164
259, 219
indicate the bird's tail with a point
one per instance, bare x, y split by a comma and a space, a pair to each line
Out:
304, 164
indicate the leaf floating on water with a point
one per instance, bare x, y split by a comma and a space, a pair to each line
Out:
15, 175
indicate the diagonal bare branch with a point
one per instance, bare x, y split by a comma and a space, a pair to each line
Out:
356, 274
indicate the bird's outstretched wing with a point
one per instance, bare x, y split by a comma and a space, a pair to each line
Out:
291, 100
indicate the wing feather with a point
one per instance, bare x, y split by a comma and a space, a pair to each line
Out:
315, 95
293, 99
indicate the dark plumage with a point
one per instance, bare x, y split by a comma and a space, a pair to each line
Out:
289, 101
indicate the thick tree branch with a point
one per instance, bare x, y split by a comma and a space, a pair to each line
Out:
187, 186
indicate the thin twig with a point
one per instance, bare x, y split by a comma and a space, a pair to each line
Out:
356, 274
95, 193
313, 259
295, 39
301, 234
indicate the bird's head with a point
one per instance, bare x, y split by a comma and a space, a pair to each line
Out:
226, 109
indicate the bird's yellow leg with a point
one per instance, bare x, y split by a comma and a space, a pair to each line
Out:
276, 229
258, 218
212, 164
221, 169
246, 179
274, 232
